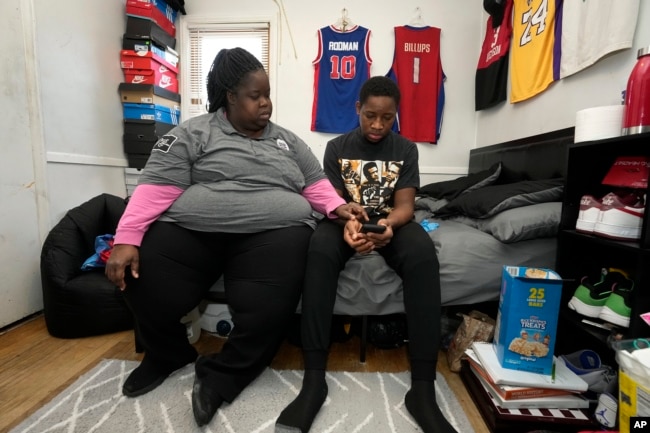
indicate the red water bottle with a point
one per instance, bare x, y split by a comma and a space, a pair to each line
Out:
636, 114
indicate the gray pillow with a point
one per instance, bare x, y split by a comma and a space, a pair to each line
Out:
523, 223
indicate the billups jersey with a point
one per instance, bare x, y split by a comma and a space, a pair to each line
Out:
536, 47
340, 69
417, 70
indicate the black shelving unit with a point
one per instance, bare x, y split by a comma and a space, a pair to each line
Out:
581, 255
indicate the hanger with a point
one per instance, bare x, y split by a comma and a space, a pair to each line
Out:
344, 23
417, 19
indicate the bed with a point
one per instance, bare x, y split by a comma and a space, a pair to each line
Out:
506, 211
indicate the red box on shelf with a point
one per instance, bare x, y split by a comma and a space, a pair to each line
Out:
145, 67
155, 10
629, 172
130, 59
150, 76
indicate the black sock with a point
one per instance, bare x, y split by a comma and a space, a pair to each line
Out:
300, 414
421, 403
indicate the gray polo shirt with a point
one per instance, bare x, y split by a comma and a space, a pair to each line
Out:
234, 183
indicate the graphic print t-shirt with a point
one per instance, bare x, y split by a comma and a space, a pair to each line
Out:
370, 173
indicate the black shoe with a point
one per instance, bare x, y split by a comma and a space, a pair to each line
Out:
147, 376
204, 402
143, 379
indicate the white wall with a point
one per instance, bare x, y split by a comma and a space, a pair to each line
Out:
61, 112
61, 128
78, 51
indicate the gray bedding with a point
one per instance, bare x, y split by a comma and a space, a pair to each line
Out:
471, 262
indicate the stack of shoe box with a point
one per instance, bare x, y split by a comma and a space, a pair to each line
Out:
149, 93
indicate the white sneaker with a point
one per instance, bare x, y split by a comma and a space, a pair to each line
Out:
588, 214
620, 217
605, 412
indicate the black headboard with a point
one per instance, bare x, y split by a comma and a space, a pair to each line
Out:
532, 158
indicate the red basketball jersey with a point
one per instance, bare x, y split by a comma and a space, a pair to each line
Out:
417, 70
491, 81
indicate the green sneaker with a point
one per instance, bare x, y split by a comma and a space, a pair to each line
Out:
589, 299
617, 309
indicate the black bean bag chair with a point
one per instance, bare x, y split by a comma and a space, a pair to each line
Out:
82, 303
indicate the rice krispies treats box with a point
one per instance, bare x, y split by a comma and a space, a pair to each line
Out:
526, 323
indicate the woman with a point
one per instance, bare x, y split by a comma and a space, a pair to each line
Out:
404, 245
231, 193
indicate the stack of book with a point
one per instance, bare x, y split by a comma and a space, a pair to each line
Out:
509, 399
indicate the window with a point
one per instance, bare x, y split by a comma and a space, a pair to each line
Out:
201, 40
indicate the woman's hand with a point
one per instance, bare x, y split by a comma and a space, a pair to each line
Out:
351, 211
123, 255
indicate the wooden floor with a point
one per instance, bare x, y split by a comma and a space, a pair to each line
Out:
35, 367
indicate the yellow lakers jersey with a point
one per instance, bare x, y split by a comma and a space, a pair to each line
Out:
535, 51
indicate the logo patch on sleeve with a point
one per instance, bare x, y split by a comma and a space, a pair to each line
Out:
164, 143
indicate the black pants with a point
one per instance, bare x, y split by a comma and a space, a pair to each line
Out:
412, 255
263, 273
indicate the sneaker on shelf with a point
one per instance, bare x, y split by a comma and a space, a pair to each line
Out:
620, 217
588, 214
617, 308
606, 410
586, 364
582, 361
589, 299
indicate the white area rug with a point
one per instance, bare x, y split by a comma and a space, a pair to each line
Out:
357, 402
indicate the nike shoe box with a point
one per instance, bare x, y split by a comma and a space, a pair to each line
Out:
148, 67
155, 10
134, 143
146, 129
149, 94
143, 29
139, 46
149, 76
141, 135
154, 59
155, 112
526, 325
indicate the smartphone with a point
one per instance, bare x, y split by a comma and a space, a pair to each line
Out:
372, 228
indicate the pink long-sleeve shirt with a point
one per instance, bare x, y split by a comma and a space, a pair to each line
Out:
148, 202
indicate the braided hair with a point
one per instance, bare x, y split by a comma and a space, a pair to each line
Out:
226, 73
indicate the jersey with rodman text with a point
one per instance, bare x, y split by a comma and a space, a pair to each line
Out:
492, 71
340, 69
536, 47
417, 70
